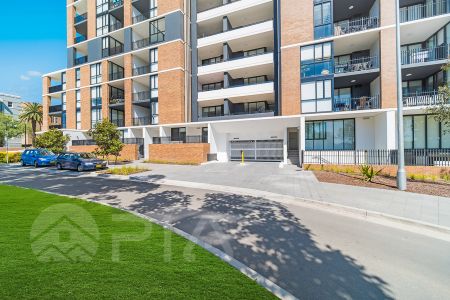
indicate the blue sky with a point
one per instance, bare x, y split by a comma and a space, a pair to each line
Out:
32, 43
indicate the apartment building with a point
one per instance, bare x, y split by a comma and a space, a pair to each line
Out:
271, 78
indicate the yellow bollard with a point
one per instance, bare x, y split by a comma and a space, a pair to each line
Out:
243, 158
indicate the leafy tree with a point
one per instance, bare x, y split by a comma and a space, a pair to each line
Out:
32, 113
9, 128
442, 109
107, 139
53, 140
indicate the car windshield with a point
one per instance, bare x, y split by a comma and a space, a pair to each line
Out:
87, 155
46, 153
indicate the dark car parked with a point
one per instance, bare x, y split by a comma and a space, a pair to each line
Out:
79, 161
37, 158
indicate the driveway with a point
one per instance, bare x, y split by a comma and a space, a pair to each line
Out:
314, 254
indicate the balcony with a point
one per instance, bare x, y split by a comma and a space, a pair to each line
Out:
237, 91
118, 122
79, 39
116, 75
357, 65
141, 43
80, 60
55, 109
357, 25
352, 104
419, 56
115, 4
429, 98
115, 26
141, 70
143, 121
112, 51
80, 18
55, 89
424, 10
141, 96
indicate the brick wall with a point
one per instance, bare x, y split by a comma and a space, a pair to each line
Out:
92, 19
388, 73
86, 108
70, 110
171, 97
296, 21
179, 153
129, 152
290, 81
171, 56
70, 25
165, 6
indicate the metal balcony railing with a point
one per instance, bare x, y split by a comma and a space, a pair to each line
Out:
115, 26
182, 139
141, 96
428, 98
80, 60
351, 26
142, 121
417, 56
79, 39
424, 10
118, 122
141, 43
233, 28
116, 75
112, 51
116, 99
361, 103
55, 109
115, 4
141, 70
357, 65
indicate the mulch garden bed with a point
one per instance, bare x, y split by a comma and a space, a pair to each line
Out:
389, 183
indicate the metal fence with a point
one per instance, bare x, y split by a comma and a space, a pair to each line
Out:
413, 157
189, 139
126, 141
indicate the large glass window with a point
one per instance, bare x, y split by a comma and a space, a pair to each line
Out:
96, 73
316, 60
212, 111
157, 31
424, 132
102, 25
102, 6
77, 77
153, 8
330, 135
96, 96
154, 60
316, 96
323, 20
154, 87
178, 134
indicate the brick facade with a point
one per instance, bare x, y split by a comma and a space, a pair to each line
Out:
297, 21
171, 97
166, 6
290, 81
179, 153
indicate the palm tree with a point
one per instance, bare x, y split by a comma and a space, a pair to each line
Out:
32, 113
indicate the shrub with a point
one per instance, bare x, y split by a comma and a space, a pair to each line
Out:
369, 173
14, 157
163, 162
126, 170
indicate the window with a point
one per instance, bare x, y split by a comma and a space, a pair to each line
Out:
155, 112
178, 134
154, 86
96, 116
63, 101
96, 73
78, 99
323, 23
157, 31
154, 60
424, 132
213, 60
330, 135
102, 25
78, 109
316, 96
153, 8
102, 6
78, 77
63, 80
255, 80
78, 119
212, 86
255, 52
116, 72
111, 46
212, 111
96, 96
10, 104
316, 60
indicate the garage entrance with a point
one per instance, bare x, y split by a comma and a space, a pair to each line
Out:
257, 150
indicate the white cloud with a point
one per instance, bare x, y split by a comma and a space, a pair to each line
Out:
23, 77
34, 74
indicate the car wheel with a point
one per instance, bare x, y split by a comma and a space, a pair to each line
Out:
80, 168
36, 165
23, 163
58, 166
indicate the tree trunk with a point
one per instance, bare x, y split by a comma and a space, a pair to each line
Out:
33, 132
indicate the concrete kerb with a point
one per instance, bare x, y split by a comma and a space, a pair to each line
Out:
247, 271
411, 225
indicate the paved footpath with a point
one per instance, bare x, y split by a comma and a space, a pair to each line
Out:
312, 253
303, 184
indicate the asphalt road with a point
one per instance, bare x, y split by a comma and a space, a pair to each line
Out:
312, 253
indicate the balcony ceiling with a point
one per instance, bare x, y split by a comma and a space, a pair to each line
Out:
355, 42
420, 72
360, 79
419, 31
342, 11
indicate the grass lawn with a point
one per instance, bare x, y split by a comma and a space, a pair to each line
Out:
142, 271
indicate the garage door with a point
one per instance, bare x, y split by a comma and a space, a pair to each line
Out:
257, 150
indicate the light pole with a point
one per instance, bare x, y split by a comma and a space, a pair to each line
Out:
401, 173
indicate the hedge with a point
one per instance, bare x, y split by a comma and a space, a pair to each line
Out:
14, 157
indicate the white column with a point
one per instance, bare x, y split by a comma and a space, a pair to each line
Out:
147, 141
301, 139
285, 146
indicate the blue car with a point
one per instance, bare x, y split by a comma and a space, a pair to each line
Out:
79, 161
38, 158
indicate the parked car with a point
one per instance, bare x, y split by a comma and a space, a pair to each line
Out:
38, 158
79, 161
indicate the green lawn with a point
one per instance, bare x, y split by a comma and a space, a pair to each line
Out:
142, 271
